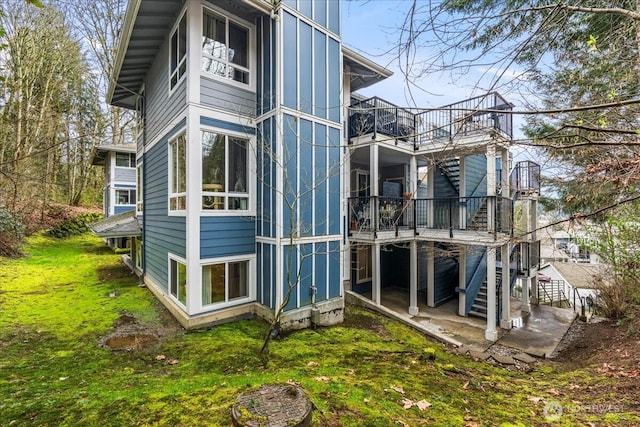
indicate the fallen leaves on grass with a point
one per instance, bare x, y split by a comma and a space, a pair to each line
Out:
421, 404
313, 364
161, 357
322, 379
399, 389
172, 362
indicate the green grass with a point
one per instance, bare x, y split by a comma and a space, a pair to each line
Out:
55, 307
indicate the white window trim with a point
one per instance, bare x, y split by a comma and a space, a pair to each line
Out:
182, 78
139, 188
369, 261
172, 257
129, 190
251, 281
170, 194
132, 159
138, 262
250, 184
252, 68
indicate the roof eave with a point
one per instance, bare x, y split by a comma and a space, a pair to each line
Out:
123, 45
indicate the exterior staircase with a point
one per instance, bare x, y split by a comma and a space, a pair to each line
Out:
451, 169
479, 306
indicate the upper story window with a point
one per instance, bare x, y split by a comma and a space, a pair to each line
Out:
178, 54
225, 48
224, 172
125, 196
126, 160
178, 173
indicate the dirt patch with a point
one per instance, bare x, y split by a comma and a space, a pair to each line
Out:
131, 334
131, 342
366, 321
110, 273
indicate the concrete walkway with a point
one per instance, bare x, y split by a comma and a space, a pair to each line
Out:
537, 333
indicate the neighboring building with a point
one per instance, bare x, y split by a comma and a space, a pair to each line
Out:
119, 191
260, 167
119, 163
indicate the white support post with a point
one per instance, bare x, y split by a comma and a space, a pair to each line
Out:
491, 186
413, 279
491, 333
376, 282
505, 316
534, 290
413, 189
431, 254
525, 306
462, 280
462, 193
194, 206
374, 184
430, 193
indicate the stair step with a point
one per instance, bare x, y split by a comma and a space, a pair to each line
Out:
477, 314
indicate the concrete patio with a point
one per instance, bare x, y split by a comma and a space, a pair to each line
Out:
537, 333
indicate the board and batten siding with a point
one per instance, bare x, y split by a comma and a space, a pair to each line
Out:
227, 97
227, 236
163, 234
162, 105
476, 171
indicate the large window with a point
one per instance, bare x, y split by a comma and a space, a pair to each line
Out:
178, 280
224, 172
224, 282
225, 48
126, 160
125, 197
178, 173
178, 53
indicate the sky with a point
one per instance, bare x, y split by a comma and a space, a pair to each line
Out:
370, 27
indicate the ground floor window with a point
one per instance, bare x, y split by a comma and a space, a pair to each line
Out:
178, 280
224, 282
364, 264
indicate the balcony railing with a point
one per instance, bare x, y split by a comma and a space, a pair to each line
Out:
372, 214
376, 116
525, 176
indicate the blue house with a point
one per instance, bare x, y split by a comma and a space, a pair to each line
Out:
262, 171
119, 163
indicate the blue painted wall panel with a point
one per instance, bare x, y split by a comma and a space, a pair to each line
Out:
306, 184
320, 68
320, 165
290, 61
163, 234
320, 271
335, 284
306, 274
227, 236
118, 209
334, 181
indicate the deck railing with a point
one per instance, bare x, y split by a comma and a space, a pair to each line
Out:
485, 213
375, 115
525, 176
